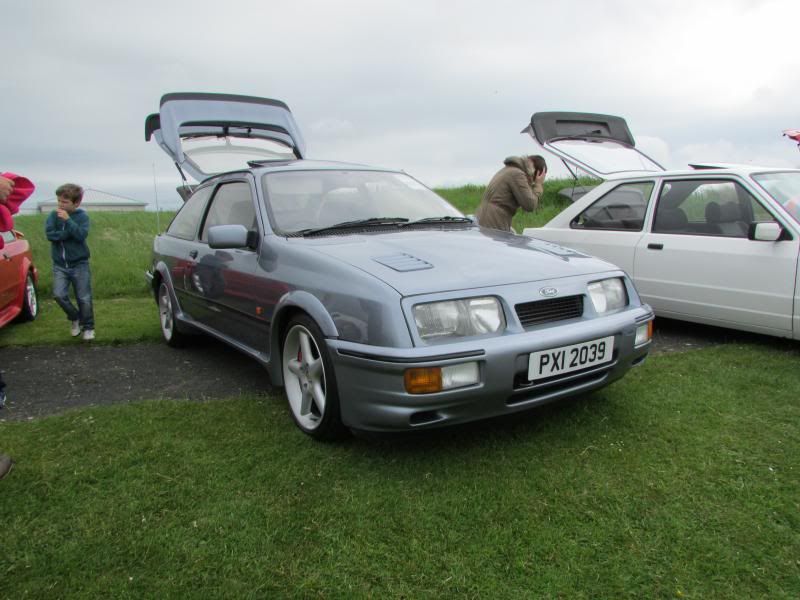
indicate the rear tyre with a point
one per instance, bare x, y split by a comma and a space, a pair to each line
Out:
30, 300
310, 381
166, 313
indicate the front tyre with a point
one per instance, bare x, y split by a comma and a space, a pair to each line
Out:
166, 313
310, 381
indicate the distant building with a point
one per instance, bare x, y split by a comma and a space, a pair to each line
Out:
98, 200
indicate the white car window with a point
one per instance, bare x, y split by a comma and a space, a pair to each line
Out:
604, 157
707, 207
624, 208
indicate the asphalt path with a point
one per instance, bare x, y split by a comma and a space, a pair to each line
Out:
44, 380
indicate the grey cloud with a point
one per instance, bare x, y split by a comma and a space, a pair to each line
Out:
440, 89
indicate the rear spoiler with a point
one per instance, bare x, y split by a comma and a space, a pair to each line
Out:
549, 126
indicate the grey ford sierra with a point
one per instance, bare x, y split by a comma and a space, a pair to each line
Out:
372, 301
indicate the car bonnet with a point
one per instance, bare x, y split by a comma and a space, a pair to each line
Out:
420, 262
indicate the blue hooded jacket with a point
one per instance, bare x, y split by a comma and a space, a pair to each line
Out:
68, 238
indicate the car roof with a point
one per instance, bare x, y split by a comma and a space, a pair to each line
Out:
261, 168
702, 169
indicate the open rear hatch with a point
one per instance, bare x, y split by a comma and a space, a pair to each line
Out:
206, 134
597, 144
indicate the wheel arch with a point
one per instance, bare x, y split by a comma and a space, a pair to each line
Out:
26, 268
160, 273
291, 304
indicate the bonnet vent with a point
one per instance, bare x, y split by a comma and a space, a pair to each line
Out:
403, 262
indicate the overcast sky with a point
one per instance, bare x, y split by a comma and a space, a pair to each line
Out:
440, 89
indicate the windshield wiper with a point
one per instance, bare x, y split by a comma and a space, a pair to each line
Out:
356, 224
436, 220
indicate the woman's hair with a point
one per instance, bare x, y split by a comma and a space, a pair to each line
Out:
539, 163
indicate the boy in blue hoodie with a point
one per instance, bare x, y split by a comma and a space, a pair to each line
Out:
67, 228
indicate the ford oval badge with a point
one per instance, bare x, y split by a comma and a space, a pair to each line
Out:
548, 292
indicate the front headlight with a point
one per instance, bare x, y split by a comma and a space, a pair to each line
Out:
608, 295
459, 318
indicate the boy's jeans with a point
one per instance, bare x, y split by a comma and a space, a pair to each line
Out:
80, 277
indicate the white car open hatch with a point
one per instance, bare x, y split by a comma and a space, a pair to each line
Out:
206, 134
598, 144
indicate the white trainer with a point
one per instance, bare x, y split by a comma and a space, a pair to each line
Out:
88, 335
75, 328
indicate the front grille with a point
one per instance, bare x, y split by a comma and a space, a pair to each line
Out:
546, 311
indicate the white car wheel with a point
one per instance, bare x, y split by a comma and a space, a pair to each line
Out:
30, 302
309, 380
166, 311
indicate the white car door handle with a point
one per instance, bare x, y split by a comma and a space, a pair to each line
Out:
655, 246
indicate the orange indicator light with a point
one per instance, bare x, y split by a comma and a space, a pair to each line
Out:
423, 380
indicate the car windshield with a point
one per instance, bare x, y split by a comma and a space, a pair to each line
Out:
785, 188
303, 200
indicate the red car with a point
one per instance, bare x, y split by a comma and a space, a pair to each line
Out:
18, 278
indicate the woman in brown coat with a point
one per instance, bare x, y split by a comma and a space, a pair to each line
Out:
517, 185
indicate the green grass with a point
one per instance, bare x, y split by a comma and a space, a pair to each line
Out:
121, 246
467, 198
117, 320
679, 481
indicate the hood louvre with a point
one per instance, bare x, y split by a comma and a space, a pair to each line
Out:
403, 262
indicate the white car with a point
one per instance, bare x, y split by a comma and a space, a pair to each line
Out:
714, 244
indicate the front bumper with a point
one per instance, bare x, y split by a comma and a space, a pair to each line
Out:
373, 396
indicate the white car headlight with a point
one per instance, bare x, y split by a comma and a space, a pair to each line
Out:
608, 295
459, 318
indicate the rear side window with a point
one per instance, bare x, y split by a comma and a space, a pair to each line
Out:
187, 221
623, 208
707, 207
231, 205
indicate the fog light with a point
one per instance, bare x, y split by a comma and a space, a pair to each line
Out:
644, 333
428, 380
455, 376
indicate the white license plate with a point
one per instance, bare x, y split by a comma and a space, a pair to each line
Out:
557, 361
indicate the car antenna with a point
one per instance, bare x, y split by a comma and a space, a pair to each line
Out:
155, 194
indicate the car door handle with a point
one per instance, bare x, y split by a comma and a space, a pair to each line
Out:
655, 246
193, 254
6, 256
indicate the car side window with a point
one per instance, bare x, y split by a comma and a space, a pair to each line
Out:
186, 222
7, 236
707, 207
231, 205
623, 208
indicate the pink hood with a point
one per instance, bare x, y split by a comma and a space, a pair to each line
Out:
23, 188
